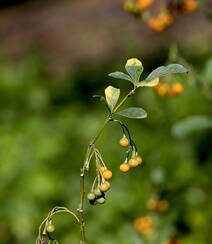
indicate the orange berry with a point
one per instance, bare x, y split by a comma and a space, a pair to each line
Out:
104, 186
107, 174
177, 89
162, 90
133, 163
124, 167
156, 24
166, 18
189, 6
139, 159
143, 4
124, 142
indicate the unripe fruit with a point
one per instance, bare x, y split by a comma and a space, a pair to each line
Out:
100, 200
133, 163
50, 228
91, 196
124, 142
107, 174
124, 167
97, 192
139, 159
104, 186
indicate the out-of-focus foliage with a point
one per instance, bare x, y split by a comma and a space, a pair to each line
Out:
45, 125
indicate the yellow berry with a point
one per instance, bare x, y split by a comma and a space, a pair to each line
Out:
124, 167
50, 228
133, 163
104, 186
139, 159
124, 142
107, 174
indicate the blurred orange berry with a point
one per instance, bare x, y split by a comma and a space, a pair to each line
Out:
189, 6
176, 89
144, 225
156, 24
143, 4
162, 90
166, 18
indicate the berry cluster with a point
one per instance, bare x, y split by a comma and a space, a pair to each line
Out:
144, 225
134, 161
157, 205
159, 16
147, 225
100, 186
166, 89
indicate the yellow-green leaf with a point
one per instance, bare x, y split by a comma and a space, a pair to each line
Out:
112, 95
134, 68
150, 83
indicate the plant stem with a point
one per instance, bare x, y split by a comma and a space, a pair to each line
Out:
85, 168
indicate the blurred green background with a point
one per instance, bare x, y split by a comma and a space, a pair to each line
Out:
52, 62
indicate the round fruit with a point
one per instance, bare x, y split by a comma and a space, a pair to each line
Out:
133, 163
139, 159
100, 200
104, 186
124, 142
107, 174
177, 88
91, 196
97, 192
124, 167
152, 204
50, 228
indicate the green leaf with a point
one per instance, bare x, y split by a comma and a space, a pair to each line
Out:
134, 68
133, 113
121, 76
166, 70
150, 83
191, 124
112, 95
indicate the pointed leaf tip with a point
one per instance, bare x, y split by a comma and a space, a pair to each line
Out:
166, 70
120, 75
